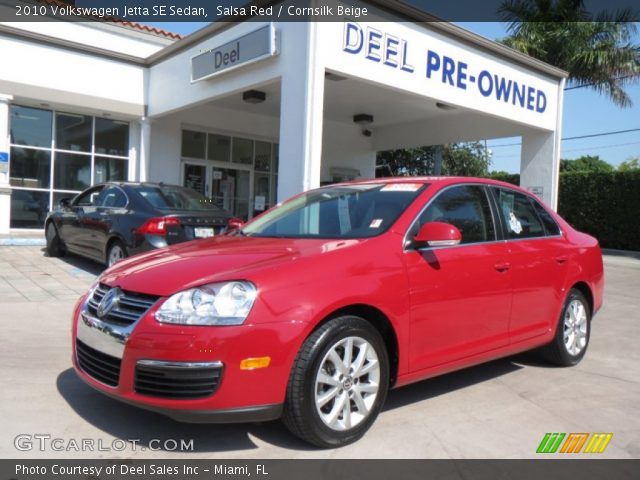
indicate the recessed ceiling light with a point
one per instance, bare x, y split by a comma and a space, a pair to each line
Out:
445, 106
254, 96
363, 119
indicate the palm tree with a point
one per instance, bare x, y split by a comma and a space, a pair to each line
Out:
597, 50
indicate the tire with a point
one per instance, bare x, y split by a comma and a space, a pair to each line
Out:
54, 244
115, 253
325, 404
572, 332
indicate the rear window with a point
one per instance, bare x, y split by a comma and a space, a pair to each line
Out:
175, 198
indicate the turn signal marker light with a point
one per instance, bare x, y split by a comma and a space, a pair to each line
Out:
253, 363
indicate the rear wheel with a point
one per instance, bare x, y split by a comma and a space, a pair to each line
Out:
115, 253
572, 333
338, 384
54, 244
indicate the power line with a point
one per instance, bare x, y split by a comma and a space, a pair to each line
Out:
597, 147
592, 135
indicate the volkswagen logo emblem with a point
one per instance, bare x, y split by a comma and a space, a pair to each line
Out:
110, 301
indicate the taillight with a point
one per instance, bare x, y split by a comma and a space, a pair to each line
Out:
157, 225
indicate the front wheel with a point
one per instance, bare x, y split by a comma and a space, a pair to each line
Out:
338, 383
572, 333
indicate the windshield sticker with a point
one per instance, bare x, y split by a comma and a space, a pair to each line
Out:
401, 187
514, 223
375, 223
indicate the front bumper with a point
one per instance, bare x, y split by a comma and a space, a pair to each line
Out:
240, 396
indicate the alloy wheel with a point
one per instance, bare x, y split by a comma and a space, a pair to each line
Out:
347, 383
575, 327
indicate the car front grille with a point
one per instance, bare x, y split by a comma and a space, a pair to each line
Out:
98, 365
129, 309
175, 380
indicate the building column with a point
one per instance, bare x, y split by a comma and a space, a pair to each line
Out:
301, 117
539, 166
5, 191
145, 149
540, 158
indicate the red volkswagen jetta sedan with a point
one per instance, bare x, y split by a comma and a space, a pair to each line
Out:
315, 309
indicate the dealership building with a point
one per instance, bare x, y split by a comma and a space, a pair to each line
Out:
250, 113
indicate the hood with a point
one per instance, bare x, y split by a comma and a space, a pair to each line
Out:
168, 270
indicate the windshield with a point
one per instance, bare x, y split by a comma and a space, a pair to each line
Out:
348, 211
165, 197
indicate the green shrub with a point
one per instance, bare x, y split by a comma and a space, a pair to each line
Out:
603, 204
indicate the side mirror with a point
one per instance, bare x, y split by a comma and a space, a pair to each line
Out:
65, 202
438, 234
234, 224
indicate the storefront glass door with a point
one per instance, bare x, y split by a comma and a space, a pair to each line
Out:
230, 189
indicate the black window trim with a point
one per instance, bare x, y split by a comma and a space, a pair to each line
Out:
500, 228
497, 229
531, 198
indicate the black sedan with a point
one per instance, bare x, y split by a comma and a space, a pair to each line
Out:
111, 221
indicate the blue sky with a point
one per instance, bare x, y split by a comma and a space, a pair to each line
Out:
585, 112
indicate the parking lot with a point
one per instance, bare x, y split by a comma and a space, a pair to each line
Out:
497, 410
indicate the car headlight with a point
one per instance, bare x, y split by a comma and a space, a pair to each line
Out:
226, 303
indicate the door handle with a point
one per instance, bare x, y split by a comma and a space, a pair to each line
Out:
502, 266
561, 259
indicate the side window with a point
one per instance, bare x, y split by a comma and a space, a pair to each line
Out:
88, 199
112, 197
550, 225
465, 207
519, 215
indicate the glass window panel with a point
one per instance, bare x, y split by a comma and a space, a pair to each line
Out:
109, 170
465, 207
242, 151
71, 171
31, 126
73, 132
112, 137
30, 168
518, 214
261, 188
193, 144
263, 156
276, 157
194, 177
219, 147
28, 208
57, 196
274, 189
550, 225
111, 197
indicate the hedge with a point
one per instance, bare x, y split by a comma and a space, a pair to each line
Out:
603, 204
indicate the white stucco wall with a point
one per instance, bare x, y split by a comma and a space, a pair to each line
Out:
60, 76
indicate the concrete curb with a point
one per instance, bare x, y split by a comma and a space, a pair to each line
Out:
22, 242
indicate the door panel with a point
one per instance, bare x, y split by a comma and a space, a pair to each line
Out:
539, 263
460, 296
539, 273
460, 301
